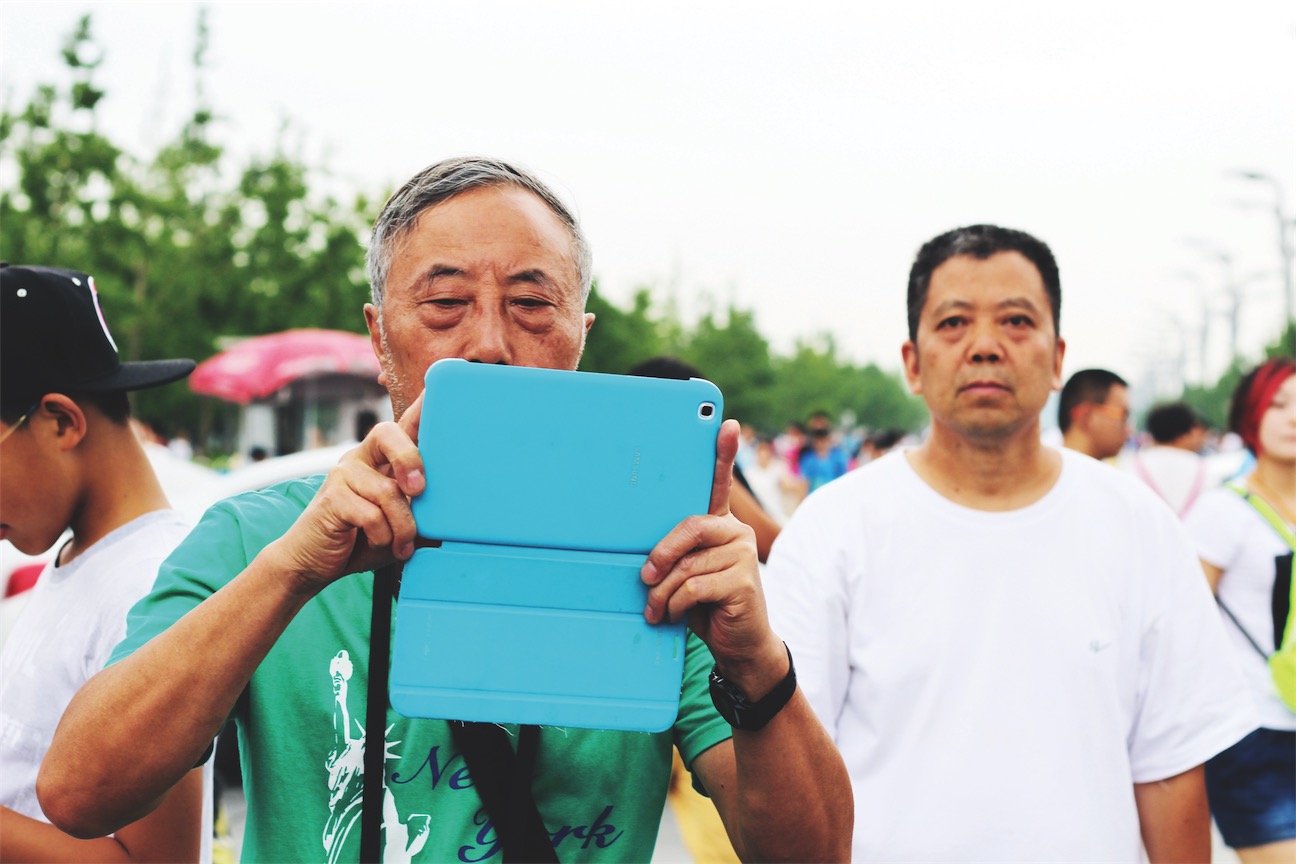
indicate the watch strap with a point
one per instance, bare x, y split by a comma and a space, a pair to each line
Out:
742, 713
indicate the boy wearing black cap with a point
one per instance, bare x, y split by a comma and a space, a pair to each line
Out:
70, 461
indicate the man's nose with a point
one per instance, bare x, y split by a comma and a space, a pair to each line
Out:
985, 346
488, 339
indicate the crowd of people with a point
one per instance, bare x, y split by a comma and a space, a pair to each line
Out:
970, 645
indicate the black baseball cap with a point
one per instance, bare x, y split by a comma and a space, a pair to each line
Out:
54, 339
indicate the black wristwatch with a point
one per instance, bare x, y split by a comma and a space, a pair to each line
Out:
739, 711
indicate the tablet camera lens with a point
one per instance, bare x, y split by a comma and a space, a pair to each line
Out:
706, 410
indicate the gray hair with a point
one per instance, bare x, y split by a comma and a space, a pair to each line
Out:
445, 180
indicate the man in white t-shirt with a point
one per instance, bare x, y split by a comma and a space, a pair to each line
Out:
1011, 644
69, 461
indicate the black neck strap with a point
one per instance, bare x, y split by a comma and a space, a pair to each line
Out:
503, 780
385, 581
502, 777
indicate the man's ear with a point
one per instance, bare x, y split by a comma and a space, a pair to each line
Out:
1080, 417
375, 340
589, 322
909, 355
1058, 353
62, 418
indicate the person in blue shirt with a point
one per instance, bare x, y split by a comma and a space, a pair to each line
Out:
822, 459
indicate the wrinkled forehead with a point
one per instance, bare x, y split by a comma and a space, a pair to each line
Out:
1004, 280
504, 226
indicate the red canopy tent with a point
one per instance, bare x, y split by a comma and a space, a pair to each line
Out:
257, 367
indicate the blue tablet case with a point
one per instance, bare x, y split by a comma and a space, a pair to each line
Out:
547, 490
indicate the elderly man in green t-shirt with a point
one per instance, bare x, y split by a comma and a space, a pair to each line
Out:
251, 617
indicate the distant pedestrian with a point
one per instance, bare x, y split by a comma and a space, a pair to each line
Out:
878, 444
822, 459
1172, 465
772, 482
1094, 413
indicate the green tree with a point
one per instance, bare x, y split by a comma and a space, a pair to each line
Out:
883, 401
187, 247
736, 358
621, 338
180, 255
1212, 401
64, 167
814, 378
806, 382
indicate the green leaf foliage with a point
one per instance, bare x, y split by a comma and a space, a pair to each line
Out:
187, 246
1212, 401
760, 387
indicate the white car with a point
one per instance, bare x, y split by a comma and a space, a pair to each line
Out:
256, 475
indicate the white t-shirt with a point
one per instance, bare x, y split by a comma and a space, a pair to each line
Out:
1232, 536
767, 485
998, 681
1180, 477
75, 616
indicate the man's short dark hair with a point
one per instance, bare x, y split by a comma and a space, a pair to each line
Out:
665, 367
364, 421
886, 438
113, 404
1167, 423
1084, 387
980, 242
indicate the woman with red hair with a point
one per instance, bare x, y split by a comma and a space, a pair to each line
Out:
1245, 535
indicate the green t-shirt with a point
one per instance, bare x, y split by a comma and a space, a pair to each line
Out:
301, 727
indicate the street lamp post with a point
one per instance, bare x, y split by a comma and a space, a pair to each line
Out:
1285, 253
1203, 332
1231, 288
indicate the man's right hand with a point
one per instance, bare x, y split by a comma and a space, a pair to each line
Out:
360, 519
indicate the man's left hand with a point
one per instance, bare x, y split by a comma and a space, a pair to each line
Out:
706, 567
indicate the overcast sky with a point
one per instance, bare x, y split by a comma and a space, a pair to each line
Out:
789, 158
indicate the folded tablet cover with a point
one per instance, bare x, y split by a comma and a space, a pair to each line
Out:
547, 490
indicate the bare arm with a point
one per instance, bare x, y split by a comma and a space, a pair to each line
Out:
172, 832
1174, 818
751, 513
783, 791
1213, 575
135, 729
800, 488
754, 778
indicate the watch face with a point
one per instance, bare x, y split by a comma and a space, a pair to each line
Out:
731, 705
